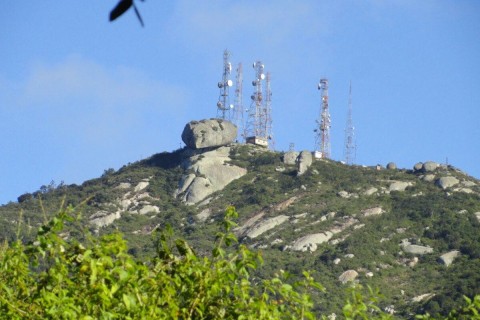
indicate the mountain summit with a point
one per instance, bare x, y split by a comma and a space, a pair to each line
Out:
412, 233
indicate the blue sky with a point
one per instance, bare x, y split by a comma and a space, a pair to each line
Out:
79, 95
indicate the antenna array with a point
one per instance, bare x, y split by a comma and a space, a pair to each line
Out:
238, 104
259, 122
322, 132
223, 104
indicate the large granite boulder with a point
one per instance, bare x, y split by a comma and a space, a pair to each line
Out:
446, 182
399, 185
310, 242
391, 166
418, 166
415, 248
265, 226
348, 276
209, 133
304, 161
290, 157
430, 166
447, 258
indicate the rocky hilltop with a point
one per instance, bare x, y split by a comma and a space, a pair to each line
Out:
413, 233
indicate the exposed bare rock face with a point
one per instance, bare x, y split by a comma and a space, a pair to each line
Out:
391, 166
430, 166
310, 242
266, 225
209, 133
477, 215
447, 182
103, 218
415, 248
136, 201
206, 173
372, 212
399, 186
348, 276
290, 157
418, 166
447, 258
304, 161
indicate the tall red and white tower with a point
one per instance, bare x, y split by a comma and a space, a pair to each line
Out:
258, 129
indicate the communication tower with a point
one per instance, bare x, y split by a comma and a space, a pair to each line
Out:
223, 105
238, 104
350, 151
259, 122
322, 131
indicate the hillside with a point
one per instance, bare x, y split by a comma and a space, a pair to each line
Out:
385, 228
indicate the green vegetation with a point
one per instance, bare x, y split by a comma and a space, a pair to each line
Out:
57, 278
61, 278
423, 214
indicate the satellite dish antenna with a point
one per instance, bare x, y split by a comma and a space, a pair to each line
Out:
220, 85
229, 83
254, 83
262, 76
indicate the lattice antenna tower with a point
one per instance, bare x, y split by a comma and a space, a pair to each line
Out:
223, 105
350, 151
255, 130
238, 104
268, 111
322, 131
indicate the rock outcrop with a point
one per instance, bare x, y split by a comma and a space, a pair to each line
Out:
446, 182
290, 157
265, 225
391, 166
477, 215
348, 276
103, 218
372, 211
399, 186
430, 166
415, 248
209, 133
447, 258
206, 173
310, 242
418, 166
304, 161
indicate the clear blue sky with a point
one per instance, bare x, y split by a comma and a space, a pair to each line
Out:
79, 95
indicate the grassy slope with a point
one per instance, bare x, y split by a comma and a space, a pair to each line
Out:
423, 213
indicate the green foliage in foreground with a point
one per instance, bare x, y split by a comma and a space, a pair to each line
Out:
59, 278
63, 279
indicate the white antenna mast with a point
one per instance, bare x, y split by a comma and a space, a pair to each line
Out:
223, 104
